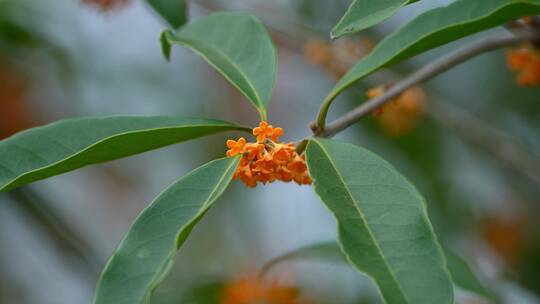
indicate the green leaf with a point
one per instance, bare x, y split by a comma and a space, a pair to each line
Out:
239, 47
383, 225
464, 277
435, 28
363, 14
331, 252
147, 252
172, 11
74, 143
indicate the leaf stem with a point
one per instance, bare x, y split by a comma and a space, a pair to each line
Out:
301, 146
320, 123
424, 74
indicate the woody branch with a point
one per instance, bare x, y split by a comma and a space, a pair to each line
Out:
424, 74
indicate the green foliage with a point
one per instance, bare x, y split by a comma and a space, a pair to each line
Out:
147, 252
461, 273
206, 294
382, 220
172, 11
464, 277
363, 14
435, 28
383, 225
238, 46
74, 143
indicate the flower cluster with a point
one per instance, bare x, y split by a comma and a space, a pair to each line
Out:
526, 61
267, 160
400, 115
107, 5
252, 290
339, 56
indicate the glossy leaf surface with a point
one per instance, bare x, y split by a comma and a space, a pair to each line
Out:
330, 252
434, 28
363, 14
238, 46
70, 144
383, 226
147, 252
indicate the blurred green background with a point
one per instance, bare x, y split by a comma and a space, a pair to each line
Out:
474, 155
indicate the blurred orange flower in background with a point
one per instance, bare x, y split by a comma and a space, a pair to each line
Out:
526, 62
252, 290
107, 5
339, 56
318, 52
510, 237
402, 114
15, 114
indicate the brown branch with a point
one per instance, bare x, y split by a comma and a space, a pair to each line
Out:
510, 154
424, 74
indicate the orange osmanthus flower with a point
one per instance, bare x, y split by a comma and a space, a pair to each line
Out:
251, 290
268, 160
400, 115
107, 5
525, 60
236, 147
263, 131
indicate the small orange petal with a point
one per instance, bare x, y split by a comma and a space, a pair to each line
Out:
277, 133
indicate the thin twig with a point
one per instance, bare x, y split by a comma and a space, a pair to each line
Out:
424, 74
512, 155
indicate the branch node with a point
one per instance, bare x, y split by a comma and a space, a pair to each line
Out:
315, 128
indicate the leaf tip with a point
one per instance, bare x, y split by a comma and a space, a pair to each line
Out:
165, 44
335, 32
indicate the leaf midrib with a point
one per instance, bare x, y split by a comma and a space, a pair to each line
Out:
351, 24
371, 236
147, 295
155, 280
